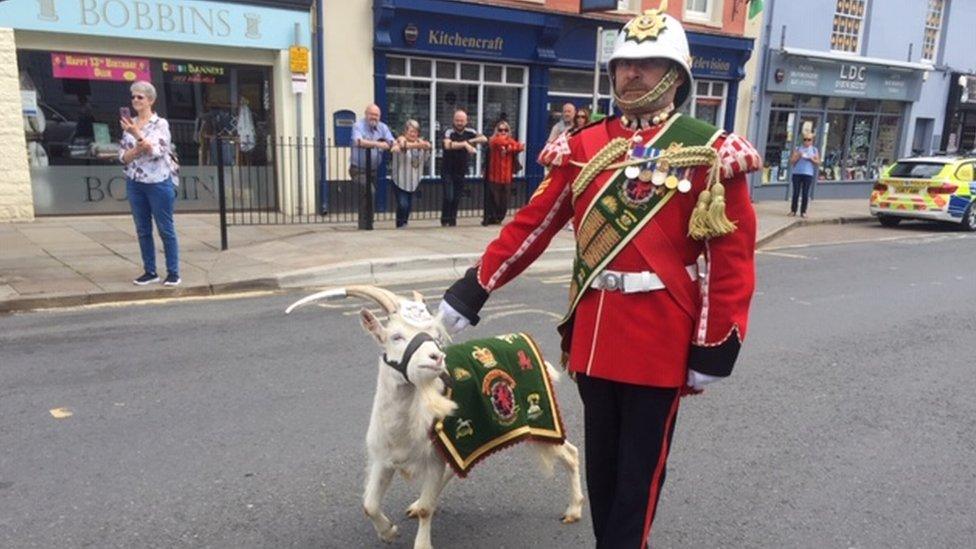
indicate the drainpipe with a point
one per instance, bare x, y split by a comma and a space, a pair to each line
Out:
756, 134
320, 105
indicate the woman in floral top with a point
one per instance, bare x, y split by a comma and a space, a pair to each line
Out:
150, 182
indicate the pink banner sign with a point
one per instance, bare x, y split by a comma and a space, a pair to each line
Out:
99, 67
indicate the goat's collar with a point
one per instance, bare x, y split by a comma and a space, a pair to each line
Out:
414, 344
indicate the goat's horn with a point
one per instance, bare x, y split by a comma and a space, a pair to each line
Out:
335, 292
387, 299
418, 297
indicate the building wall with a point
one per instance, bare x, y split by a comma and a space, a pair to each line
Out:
16, 200
749, 86
348, 31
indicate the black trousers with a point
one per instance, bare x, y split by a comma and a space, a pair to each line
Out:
801, 188
453, 187
628, 430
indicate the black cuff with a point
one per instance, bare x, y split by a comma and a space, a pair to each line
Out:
467, 296
715, 361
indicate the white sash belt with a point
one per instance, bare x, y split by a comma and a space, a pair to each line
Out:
631, 283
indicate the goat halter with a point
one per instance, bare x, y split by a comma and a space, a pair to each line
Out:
414, 344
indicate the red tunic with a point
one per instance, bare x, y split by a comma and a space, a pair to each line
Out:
502, 149
647, 338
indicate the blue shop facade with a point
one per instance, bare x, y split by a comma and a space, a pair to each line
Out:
432, 57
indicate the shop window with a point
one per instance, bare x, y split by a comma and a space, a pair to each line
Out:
576, 83
782, 100
433, 99
419, 67
893, 107
515, 75
866, 105
407, 100
447, 70
707, 102
198, 99
779, 142
839, 104
857, 164
470, 72
396, 66
810, 102
886, 147
848, 24
933, 27
493, 73
835, 132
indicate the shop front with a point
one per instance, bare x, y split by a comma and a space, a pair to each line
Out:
854, 107
76, 62
433, 56
959, 135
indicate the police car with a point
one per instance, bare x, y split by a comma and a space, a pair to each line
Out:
939, 188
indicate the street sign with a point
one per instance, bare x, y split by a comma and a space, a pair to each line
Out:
299, 82
607, 41
298, 59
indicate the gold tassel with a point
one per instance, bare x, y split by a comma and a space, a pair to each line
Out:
718, 223
698, 223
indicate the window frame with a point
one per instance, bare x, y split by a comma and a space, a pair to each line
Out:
840, 17
695, 16
435, 135
935, 29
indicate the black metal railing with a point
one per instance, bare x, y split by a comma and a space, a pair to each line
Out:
289, 187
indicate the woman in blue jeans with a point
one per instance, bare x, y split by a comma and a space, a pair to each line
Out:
805, 160
150, 182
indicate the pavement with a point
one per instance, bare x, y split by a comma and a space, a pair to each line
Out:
81, 260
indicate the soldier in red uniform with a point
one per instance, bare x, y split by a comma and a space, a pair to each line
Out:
664, 269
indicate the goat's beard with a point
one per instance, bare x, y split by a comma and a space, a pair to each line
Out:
431, 394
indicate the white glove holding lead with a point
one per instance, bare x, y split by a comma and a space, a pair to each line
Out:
453, 321
698, 380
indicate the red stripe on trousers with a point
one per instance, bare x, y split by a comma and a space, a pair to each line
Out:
662, 458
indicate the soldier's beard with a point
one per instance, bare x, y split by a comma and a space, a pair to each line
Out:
653, 100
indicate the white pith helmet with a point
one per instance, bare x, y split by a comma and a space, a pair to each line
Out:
654, 34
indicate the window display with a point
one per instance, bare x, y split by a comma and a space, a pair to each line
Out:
857, 138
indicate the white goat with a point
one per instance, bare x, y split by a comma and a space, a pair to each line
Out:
408, 401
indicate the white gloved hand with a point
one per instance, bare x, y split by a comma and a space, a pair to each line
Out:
453, 321
698, 380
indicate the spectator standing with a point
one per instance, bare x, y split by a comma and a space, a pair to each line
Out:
149, 182
370, 135
581, 119
459, 144
805, 160
410, 155
565, 123
503, 150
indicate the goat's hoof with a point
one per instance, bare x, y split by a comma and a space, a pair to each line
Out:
414, 510
390, 534
570, 519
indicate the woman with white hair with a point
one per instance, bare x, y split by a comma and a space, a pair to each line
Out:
410, 155
150, 182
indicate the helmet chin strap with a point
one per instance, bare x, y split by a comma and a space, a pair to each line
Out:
648, 101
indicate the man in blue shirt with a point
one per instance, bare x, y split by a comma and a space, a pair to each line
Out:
805, 160
368, 134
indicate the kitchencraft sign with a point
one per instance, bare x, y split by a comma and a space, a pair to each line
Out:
183, 21
796, 74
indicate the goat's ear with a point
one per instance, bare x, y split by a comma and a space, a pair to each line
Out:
418, 297
372, 325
